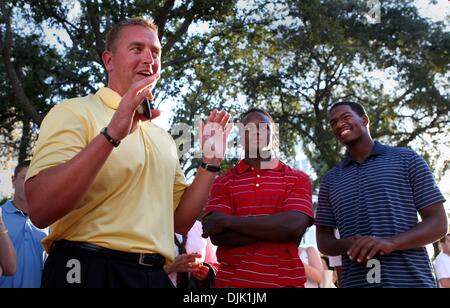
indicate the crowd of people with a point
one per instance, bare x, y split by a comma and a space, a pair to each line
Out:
130, 219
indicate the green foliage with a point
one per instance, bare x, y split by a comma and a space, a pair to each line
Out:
3, 201
294, 58
324, 51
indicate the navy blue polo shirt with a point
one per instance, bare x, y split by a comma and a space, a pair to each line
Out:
380, 197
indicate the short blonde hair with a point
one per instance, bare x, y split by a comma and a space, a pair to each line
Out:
114, 32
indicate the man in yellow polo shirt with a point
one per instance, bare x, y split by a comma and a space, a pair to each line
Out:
108, 181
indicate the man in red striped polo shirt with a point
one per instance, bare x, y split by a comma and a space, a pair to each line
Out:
257, 213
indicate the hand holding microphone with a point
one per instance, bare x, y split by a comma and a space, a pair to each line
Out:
146, 107
126, 117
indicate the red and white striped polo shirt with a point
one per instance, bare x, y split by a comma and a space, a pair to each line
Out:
245, 191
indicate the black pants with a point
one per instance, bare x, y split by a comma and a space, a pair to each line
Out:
69, 267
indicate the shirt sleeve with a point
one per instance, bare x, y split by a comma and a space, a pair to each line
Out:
299, 198
219, 198
325, 214
179, 186
442, 269
423, 185
63, 134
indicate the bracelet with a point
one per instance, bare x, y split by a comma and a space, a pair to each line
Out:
210, 168
104, 132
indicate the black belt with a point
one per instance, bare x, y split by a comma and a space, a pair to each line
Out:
146, 259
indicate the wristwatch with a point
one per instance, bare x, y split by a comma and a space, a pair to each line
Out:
211, 168
104, 132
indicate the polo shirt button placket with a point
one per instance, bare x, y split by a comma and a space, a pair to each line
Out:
360, 184
257, 181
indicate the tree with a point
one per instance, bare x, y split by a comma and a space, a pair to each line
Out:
28, 68
294, 58
80, 71
325, 51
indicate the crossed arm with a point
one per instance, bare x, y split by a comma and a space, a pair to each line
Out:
228, 230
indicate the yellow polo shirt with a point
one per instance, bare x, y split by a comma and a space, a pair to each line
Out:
130, 205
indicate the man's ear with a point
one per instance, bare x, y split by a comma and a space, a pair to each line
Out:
365, 120
107, 60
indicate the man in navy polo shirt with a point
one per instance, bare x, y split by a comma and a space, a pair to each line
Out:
373, 197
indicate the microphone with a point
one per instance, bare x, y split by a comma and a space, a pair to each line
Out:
145, 108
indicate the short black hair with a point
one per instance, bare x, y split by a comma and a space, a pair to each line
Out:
21, 165
442, 240
356, 107
263, 112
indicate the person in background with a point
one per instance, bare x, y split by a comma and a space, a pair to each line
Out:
442, 263
313, 266
195, 264
373, 197
7, 252
26, 238
336, 261
257, 212
330, 276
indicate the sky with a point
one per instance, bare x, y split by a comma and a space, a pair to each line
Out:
438, 12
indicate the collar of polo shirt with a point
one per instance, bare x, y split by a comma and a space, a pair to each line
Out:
109, 97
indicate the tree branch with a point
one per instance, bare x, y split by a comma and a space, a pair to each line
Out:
95, 24
161, 16
123, 4
24, 139
19, 92
180, 60
178, 34
72, 30
417, 132
401, 97
58, 18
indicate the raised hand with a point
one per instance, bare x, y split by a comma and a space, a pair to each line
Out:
126, 118
214, 135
